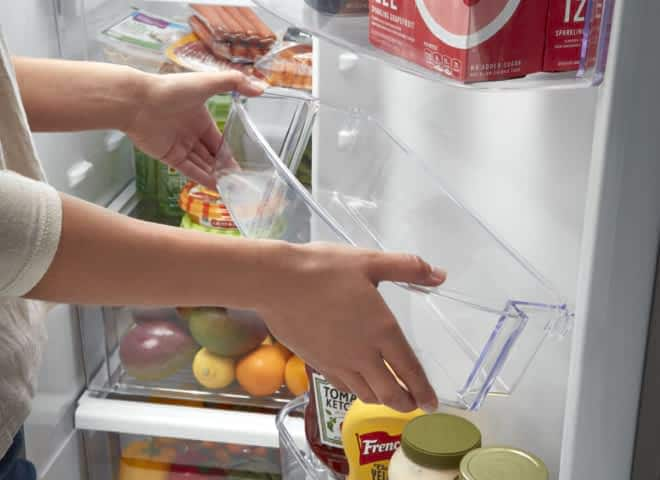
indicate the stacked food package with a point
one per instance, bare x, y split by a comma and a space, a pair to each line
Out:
225, 37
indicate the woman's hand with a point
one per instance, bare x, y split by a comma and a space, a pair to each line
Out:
173, 124
328, 310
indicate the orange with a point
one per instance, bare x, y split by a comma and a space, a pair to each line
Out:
295, 376
268, 340
285, 351
261, 372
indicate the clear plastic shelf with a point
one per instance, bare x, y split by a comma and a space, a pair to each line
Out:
475, 335
352, 32
297, 460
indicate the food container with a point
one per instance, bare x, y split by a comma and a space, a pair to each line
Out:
432, 447
204, 208
502, 463
288, 65
139, 39
475, 335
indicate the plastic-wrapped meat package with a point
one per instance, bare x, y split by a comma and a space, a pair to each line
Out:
235, 34
191, 54
288, 65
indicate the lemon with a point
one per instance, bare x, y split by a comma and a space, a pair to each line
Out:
212, 371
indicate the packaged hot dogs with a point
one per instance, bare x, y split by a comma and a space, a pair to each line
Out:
235, 24
234, 34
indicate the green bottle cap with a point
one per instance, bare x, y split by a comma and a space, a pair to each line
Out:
501, 463
439, 441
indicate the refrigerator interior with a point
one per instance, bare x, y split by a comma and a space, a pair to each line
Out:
520, 160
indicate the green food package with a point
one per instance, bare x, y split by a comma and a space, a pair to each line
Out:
304, 172
170, 183
219, 107
146, 175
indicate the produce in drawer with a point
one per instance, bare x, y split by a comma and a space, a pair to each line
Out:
225, 332
146, 460
142, 315
286, 353
213, 371
261, 372
155, 349
191, 464
295, 376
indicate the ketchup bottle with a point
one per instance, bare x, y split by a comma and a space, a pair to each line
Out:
324, 417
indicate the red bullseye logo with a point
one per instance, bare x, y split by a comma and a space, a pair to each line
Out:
466, 23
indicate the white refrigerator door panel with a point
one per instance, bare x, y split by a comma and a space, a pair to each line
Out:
520, 160
50, 426
619, 252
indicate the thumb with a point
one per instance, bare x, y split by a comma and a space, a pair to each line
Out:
400, 267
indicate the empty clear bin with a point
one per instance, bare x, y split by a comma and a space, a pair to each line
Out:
475, 335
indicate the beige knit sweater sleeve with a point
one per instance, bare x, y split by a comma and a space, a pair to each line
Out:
30, 225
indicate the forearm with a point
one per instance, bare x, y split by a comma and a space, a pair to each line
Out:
109, 259
61, 95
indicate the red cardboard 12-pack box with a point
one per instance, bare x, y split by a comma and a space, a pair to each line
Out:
564, 34
468, 40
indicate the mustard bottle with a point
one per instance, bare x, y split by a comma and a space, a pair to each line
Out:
370, 435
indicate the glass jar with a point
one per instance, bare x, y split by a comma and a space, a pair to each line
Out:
432, 447
502, 463
324, 417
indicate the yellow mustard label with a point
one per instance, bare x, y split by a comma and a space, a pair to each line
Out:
370, 435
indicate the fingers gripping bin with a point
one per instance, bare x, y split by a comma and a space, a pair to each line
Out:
475, 335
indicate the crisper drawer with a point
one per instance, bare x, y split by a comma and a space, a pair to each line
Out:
127, 440
156, 353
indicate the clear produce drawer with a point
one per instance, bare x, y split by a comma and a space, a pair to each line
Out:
119, 456
158, 352
154, 353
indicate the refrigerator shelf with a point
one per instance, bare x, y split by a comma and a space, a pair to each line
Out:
95, 413
351, 32
477, 334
